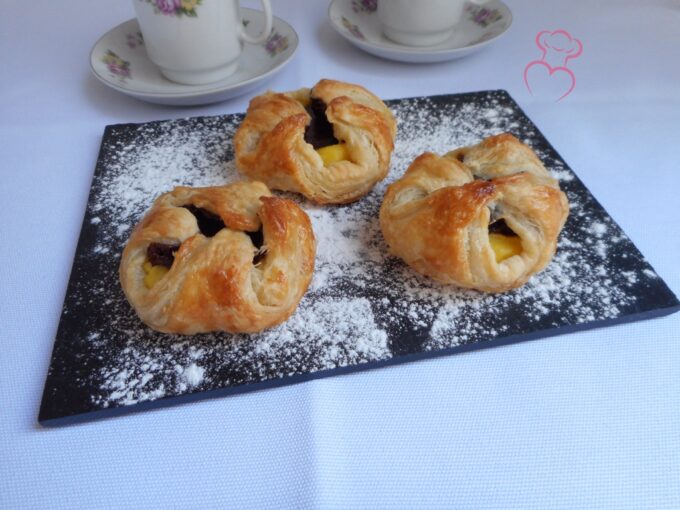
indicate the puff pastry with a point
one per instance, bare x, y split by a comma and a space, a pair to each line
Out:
231, 258
485, 217
332, 143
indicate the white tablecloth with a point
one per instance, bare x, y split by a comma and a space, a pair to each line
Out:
588, 420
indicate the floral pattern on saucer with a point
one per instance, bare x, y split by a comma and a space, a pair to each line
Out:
483, 16
117, 66
175, 7
355, 20
353, 29
135, 39
275, 44
120, 61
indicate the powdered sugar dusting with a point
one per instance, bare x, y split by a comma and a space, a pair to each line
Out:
159, 157
363, 305
193, 374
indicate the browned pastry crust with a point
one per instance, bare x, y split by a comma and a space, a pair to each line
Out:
215, 283
270, 144
436, 217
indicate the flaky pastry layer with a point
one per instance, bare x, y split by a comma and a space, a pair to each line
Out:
270, 143
215, 283
437, 216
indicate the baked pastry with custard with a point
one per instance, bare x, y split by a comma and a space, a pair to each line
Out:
484, 217
331, 143
229, 258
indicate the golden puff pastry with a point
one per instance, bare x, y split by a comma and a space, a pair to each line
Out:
230, 258
332, 143
485, 217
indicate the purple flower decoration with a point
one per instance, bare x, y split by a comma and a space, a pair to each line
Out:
134, 40
116, 65
120, 70
168, 7
275, 44
482, 16
177, 8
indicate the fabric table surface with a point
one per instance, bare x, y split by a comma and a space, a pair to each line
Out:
586, 420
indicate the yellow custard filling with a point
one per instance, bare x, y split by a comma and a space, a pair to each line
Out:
504, 246
153, 274
333, 153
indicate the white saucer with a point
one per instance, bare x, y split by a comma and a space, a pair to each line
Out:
357, 21
119, 60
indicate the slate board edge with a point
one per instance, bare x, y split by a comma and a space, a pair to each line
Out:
322, 374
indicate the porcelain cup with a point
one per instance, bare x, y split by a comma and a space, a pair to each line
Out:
195, 42
420, 22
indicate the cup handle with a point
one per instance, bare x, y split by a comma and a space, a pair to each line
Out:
266, 7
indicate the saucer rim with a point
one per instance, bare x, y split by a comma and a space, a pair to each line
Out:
197, 90
414, 51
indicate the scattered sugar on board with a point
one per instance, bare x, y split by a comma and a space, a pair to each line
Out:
193, 374
361, 299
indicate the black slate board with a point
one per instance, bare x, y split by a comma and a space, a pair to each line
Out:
105, 362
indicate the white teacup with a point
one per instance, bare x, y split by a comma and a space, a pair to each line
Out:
420, 22
196, 41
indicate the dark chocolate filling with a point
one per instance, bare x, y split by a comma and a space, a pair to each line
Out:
500, 227
160, 254
319, 132
257, 238
208, 223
